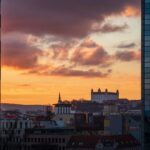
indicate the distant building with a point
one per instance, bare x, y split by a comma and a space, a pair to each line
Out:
62, 107
62, 111
87, 106
134, 126
88, 121
101, 97
113, 124
49, 124
38, 139
110, 108
12, 131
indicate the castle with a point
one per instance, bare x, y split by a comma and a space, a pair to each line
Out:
101, 97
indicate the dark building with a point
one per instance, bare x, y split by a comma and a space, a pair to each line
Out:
134, 126
114, 124
87, 106
89, 122
80, 120
38, 139
146, 71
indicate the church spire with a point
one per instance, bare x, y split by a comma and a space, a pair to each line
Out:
59, 98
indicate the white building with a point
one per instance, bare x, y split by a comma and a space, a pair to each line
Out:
100, 96
62, 107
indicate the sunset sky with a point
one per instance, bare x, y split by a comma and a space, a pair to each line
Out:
69, 46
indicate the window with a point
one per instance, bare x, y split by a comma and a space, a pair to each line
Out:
18, 131
20, 125
63, 140
26, 125
59, 140
52, 140
63, 148
56, 140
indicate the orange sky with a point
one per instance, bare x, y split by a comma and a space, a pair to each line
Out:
58, 55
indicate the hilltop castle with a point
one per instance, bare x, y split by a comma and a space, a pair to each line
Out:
100, 96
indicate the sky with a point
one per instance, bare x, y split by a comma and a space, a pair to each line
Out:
69, 46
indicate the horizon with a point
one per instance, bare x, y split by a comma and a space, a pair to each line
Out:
80, 99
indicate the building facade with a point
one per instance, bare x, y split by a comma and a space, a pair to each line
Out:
146, 72
38, 139
101, 97
113, 124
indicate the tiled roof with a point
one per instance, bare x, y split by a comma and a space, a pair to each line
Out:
90, 141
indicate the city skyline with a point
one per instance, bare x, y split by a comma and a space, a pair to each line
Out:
51, 46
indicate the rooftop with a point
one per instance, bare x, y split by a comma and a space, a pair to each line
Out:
90, 141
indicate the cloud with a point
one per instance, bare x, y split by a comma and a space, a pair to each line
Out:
61, 50
106, 28
131, 11
88, 43
90, 53
66, 18
69, 72
128, 55
19, 54
88, 73
24, 85
126, 45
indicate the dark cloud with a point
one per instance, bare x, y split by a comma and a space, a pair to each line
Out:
19, 55
69, 72
90, 53
126, 45
128, 55
112, 28
67, 18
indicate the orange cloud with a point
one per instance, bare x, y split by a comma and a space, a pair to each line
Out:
131, 11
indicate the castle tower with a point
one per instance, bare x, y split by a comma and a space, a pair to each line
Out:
99, 90
106, 90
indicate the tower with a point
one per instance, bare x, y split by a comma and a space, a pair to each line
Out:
117, 92
59, 98
99, 90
